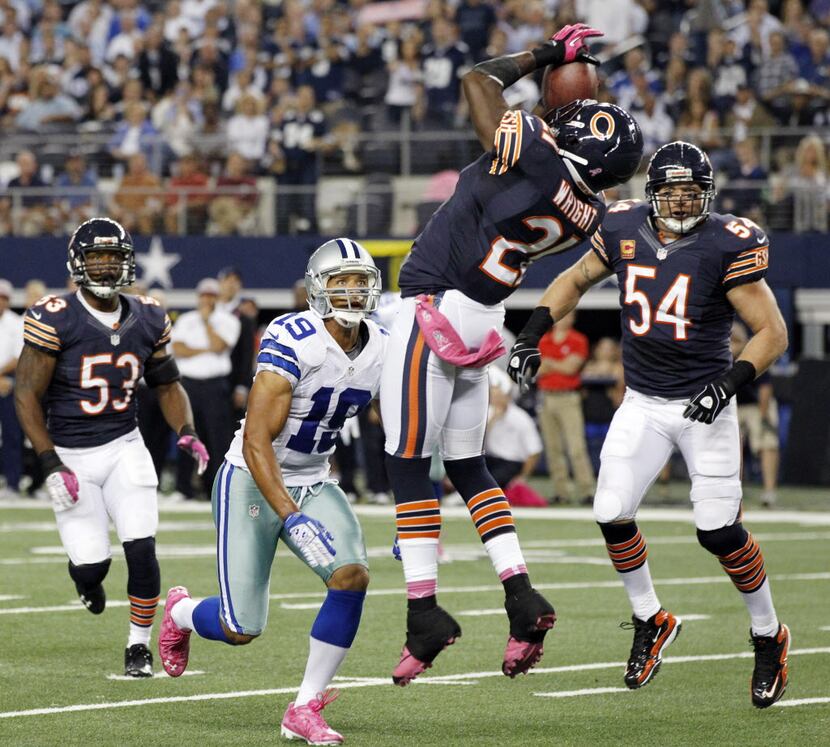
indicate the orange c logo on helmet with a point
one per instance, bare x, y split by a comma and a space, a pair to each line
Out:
596, 131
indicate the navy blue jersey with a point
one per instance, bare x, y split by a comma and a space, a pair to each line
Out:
676, 318
90, 398
510, 207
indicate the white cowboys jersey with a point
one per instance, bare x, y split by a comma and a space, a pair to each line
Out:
328, 388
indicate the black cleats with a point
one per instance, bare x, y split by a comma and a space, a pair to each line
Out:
769, 677
650, 639
138, 661
428, 633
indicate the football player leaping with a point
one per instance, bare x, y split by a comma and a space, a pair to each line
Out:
532, 193
314, 369
683, 272
83, 355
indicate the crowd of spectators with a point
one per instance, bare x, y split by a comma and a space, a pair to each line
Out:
300, 88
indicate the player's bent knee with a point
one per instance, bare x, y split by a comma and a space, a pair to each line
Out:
711, 514
237, 639
353, 577
89, 575
724, 540
141, 551
608, 506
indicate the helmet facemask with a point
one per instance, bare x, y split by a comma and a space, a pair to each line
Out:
330, 294
682, 208
102, 278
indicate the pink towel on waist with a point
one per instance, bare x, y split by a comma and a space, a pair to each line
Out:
442, 339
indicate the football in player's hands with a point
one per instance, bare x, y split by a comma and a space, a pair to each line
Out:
562, 85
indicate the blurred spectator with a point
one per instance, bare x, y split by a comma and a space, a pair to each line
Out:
564, 352
603, 387
157, 64
136, 135
728, 72
743, 194
248, 129
746, 114
629, 18
186, 209
129, 93
752, 36
76, 187
242, 85
48, 106
13, 41
137, 204
29, 211
805, 189
33, 291
405, 90
11, 343
232, 211
300, 133
127, 41
758, 419
99, 108
444, 59
512, 445
211, 135
475, 20
177, 117
241, 376
655, 123
775, 76
622, 83
202, 343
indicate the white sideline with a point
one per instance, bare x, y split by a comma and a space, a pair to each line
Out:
586, 691
385, 681
400, 591
684, 514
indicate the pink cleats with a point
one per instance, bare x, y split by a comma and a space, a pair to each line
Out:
531, 617
428, 633
520, 656
306, 722
174, 643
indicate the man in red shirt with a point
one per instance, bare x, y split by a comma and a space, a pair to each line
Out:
564, 352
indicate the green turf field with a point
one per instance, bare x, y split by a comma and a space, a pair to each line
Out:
59, 665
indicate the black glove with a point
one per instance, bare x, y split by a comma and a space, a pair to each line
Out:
525, 358
710, 401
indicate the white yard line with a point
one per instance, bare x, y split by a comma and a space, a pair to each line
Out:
802, 701
586, 691
400, 591
752, 516
352, 683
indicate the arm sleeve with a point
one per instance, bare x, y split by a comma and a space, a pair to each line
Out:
41, 328
164, 338
516, 134
598, 247
277, 356
748, 259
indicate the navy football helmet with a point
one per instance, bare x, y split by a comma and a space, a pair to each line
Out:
680, 163
101, 235
601, 144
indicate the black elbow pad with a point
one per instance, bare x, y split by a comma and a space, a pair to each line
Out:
158, 371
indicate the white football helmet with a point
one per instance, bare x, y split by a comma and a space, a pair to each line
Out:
342, 257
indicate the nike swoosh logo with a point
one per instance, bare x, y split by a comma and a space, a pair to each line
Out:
35, 315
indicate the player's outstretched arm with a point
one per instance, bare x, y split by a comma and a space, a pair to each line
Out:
560, 298
268, 406
757, 306
484, 84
